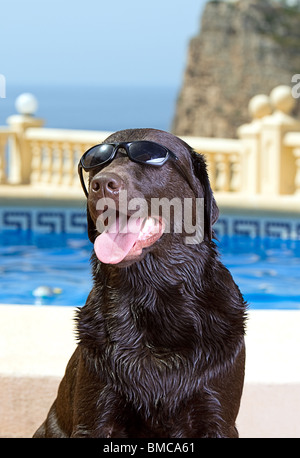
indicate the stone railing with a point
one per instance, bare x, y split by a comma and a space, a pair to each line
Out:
5, 134
292, 145
269, 162
224, 160
265, 159
55, 154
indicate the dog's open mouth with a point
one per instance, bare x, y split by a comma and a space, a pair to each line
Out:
124, 240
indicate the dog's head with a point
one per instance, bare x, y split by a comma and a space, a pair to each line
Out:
133, 207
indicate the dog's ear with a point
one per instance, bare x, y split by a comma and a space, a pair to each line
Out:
211, 211
91, 230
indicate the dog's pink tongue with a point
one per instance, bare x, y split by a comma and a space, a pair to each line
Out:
112, 246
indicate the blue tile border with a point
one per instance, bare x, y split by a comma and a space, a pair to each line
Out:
246, 227
73, 221
50, 221
251, 226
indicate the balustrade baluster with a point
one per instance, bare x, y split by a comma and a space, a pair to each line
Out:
36, 164
297, 177
68, 164
2, 160
57, 163
235, 178
46, 171
222, 172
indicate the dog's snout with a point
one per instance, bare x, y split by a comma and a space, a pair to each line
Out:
107, 184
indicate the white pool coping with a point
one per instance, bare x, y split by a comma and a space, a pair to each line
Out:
39, 340
36, 343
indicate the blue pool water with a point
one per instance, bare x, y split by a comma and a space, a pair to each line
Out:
266, 270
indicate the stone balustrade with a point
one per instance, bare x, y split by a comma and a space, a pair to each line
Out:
4, 136
292, 142
269, 164
55, 154
224, 160
263, 160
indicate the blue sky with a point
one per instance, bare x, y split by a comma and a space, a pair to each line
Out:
104, 42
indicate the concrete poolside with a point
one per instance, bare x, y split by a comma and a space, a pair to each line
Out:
36, 343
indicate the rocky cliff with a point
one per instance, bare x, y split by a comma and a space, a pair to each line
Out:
244, 48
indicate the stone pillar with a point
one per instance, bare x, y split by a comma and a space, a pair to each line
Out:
277, 162
19, 151
250, 135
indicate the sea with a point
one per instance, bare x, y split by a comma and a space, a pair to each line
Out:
97, 107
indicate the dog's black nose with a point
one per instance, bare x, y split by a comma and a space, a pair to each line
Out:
106, 184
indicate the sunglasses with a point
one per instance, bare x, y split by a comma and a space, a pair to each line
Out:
142, 152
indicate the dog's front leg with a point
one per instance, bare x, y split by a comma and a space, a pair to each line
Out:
98, 410
50, 427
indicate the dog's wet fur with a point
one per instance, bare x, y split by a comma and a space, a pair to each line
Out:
161, 337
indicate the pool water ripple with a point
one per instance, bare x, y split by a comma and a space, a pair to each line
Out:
266, 270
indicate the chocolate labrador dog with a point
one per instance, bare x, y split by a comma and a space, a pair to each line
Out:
161, 337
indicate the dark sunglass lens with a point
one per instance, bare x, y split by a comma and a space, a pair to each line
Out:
97, 155
147, 153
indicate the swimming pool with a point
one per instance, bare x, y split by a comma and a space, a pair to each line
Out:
266, 269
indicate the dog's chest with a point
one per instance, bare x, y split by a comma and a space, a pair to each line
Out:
146, 377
